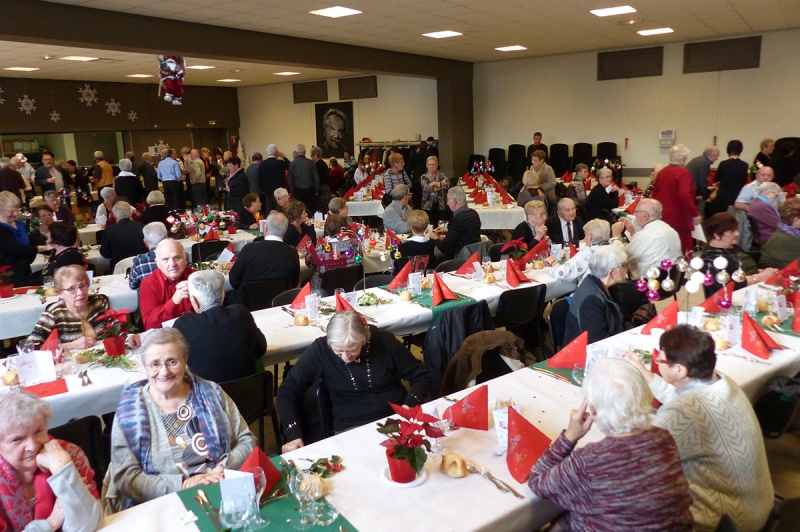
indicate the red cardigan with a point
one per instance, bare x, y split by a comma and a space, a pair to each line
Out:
674, 188
155, 299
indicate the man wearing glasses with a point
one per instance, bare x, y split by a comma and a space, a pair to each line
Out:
652, 239
164, 294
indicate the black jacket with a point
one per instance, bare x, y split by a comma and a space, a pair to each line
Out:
268, 259
523, 230
293, 236
156, 213
599, 204
43, 174
463, 229
409, 248
246, 219
122, 240
16, 255
150, 176
593, 310
272, 174
554, 230
224, 342
130, 187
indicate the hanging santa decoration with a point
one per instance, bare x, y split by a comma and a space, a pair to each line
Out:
171, 71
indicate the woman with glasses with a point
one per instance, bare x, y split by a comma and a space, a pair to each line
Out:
172, 431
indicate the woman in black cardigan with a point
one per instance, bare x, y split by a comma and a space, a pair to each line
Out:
603, 197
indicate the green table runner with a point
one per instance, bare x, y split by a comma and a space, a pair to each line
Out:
786, 326
278, 511
425, 299
559, 371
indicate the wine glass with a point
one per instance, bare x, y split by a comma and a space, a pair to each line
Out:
11, 365
300, 485
578, 372
486, 263
260, 481
236, 511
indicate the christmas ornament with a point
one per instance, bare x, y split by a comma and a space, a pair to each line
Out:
373, 242
171, 70
668, 285
653, 273
26, 105
641, 285
327, 248
653, 284
682, 265
666, 264
368, 251
397, 254
201, 226
210, 217
739, 276
383, 256
113, 107
88, 95
720, 263
725, 303
55, 116
359, 258
697, 263
223, 225
335, 255
652, 295
723, 277
692, 286
698, 277
708, 279
348, 253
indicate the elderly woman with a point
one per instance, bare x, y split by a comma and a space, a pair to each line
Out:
362, 368
46, 217
533, 229
730, 177
784, 245
718, 436
47, 484
653, 174
762, 157
546, 176
16, 249
63, 239
434, 190
395, 175
577, 187
128, 184
603, 197
174, 430
339, 206
629, 480
592, 308
722, 234
251, 213
530, 189
104, 216
299, 224
598, 233
674, 188
764, 210
156, 210
282, 199
63, 213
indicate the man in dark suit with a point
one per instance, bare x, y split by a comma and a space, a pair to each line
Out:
272, 176
224, 342
463, 229
269, 259
51, 177
565, 223
123, 239
148, 173
418, 167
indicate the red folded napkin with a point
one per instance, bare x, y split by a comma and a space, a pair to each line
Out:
320, 241
712, 303
513, 276
441, 292
572, 250
480, 198
229, 247
632, 206
51, 344
473, 194
46, 389
257, 458
796, 319
401, 277
536, 250
621, 202
567, 177
300, 300
466, 268
571, 354
341, 303
377, 193
667, 319
526, 444
211, 235
755, 339
306, 245
789, 269
390, 238
471, 412
653, 365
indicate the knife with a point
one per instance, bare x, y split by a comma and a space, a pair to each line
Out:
212, 516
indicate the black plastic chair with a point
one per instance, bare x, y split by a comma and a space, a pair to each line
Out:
606, 150
254, 398
98, 236
317, 413
517, 161
495, 251
629, 299
342, 278
559, 159
86, 433
287, 297
520, 312
726, 524
785, 517
450, 265
399, 264
476, 158
497, 156
373, 281
558, 323
260, 294
203, 251
582, 153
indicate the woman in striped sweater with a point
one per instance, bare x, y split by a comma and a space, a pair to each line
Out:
630, 480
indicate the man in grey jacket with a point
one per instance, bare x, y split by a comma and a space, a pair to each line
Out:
699, 168
395, 217
304, 179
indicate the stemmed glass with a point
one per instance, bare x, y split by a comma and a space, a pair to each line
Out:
487, 263
236, 511
260, 481
578, 372
302, 487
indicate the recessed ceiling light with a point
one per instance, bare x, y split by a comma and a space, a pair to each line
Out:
611, 11
657, 31
335, 12
515, 48
200, 67
442, 34
21, 69
287, 73
78, 58
228, 80
139, 76
48, 57
236, 71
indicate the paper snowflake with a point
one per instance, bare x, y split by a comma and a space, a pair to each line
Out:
132, 116
161, 146
2, 101
55, 116
88, 95
26, 104
113, 107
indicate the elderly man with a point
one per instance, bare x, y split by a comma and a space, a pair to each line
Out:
127, 184
197, 177
339, 206
304, 179
124, 238
699, 168
26, 171
565, 226
261, 261
718, 436
463, 229
224, 342
652, 242
282, 200
51, 177
603, 198
61, 211
145, 263
765, 174
272, 176
102, 173
164, 294
148, 172
674, 188
170, 174
252, 176
395, 217
10, 179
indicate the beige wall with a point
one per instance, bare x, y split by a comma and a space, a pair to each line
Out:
404, 108
559, 95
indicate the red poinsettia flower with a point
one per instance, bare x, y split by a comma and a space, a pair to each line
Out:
514, 244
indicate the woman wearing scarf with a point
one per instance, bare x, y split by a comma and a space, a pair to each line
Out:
45, 484
172, 431
764, 210
16, 249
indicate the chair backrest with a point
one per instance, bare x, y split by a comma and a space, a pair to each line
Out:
463, 369
497, 156
475, 157
203, 251
482, 248
260, 294
287, 297
494, 251
123, 265
628, 297
515, 166
726, 524
582, 153
342, 278
756, 244
252, 395
606, 150
98, 236
373, 281
559, 159
558, 320
450, 265
419, 263
86, 433
317, 413
784, 517
399, 264
520, 306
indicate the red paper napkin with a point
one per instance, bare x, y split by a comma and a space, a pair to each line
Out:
790, 268
632, 206
46, 389
537, 249
320, 241
401, 277
211, 235
796, 319
471, 412
300, 300
480, 198
51, 344
567, 177
572, 250
755, 339
712, 303
306, 245
621, 202
390, 237
513, 276
653, 365
664, 320
572, 353
526, 444
441, 292
466, 268
377, 193
257, 458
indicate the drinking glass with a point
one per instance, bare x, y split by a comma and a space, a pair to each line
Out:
503, 401
11, 365
260, 481
300, 485
236, 511
486, 263
578, 372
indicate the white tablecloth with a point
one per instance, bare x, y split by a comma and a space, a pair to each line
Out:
365, 208
88, 234
499, 217
157, 515
19, 315
239, 240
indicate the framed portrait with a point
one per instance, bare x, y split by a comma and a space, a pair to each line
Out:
334, 128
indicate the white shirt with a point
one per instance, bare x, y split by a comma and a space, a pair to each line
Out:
422, 239
359, 176
56, 174
564, 231
655, 242
273, 238
748, 192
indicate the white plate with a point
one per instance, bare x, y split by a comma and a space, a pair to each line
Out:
15, 296
422, 477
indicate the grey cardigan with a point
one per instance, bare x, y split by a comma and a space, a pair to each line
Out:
82, 512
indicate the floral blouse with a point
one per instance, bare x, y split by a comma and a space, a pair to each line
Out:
429, 196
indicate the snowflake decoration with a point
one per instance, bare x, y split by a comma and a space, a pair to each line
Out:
55, 116
26, 104
161, 146
2, 101
88, 95
132, 116
113, 107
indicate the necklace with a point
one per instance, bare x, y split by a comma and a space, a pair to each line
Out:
369, 370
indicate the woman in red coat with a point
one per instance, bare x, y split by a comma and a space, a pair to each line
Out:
674, 188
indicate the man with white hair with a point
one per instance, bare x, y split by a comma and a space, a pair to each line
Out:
395, 217
224, 342
124, 238
652, 240
603, 197
26, 171
674, 188
282, 200
102, 174
304, 179
164, 294
565, 226
145, 263
463, 229
127, 184
10, 179
272, 173
699, 168
765, 174
148, 172
197, 177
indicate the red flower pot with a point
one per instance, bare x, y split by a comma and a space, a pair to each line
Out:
6, 290
115, 346
520, 264
231, 229
400, 470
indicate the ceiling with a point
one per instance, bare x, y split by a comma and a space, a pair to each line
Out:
545, 27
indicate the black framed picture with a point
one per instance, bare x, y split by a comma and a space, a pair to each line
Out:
334, 128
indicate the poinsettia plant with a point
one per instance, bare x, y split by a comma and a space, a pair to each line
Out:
787, 281
518, 248
6, 275
405, 436
116, 324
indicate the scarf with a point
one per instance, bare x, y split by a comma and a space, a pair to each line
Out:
19, 232
768, 201
15, 512
789, 229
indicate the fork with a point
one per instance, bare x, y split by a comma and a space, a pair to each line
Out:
485, 472
475, 471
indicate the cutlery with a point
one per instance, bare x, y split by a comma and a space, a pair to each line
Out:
343, 529
212, 516
86, 374
488, 474
556, 376
475, 471
202, 495
287, 311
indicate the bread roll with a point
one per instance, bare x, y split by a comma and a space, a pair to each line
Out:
405, 295
226, 266
454, 465
489, 279
762, 306
10, 378
769, 321
721, 344
301, 320
425, 284
537, 264
711, 325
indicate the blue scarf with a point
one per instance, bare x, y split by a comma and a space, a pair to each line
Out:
19, 232
766, 200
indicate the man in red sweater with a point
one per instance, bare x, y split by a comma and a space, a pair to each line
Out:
164, 294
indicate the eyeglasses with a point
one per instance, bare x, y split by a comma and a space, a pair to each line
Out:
72, 290
665, 362
171, 363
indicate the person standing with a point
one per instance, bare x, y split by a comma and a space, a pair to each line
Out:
304, 179
51, 177
252, 176
419, 165
102, 173
538, 146
127, 184
731, 176
236, 185
197, 177
272, 176
324, 182
547, 178
674, 188
434, 185
169, 173
10, 179
148, 173
699, 167
762, 157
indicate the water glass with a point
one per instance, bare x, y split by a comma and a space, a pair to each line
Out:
236, 511
578, 372
301, 486
324, 513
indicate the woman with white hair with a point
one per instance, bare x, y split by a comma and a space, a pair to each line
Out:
631, 479
128, 184
674, 188
361, 367
592, 308
104, 216
156, 210
603, 197
598, 233
764, 210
